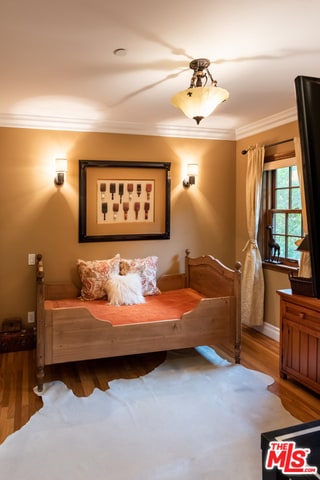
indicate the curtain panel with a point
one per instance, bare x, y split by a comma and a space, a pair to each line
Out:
252, 290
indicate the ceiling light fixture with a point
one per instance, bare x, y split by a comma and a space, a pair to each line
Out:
199, 100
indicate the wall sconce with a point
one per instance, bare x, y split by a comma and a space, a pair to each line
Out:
61, 169
192, 173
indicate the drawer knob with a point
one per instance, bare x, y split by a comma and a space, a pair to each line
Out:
301, 315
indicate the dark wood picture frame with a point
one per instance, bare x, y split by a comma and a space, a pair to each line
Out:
109, 211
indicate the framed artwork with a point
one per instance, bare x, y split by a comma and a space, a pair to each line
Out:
122, 200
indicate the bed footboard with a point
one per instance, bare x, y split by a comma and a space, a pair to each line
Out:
212, 278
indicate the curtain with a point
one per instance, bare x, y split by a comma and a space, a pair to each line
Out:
305, 264
252, 290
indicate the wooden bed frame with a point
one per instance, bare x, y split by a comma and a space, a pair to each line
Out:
67, 334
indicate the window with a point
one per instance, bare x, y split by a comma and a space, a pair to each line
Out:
281, 210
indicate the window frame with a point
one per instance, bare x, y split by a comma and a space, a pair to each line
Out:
271, 163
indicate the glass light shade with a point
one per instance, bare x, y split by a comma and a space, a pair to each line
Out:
61, 165
192, 173
199, 102
192, 170
61, 169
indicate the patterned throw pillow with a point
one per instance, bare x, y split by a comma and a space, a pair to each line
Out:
147, 269
93, 275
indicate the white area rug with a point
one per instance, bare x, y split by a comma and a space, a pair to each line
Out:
195, 417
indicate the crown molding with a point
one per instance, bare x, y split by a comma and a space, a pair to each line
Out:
45, 122
281, 118
132, 128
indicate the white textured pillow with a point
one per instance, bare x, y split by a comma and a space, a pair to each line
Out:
124, 289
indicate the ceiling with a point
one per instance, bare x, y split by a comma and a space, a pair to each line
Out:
58, 69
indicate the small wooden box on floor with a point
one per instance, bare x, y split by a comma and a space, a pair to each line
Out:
15, 341
300, 338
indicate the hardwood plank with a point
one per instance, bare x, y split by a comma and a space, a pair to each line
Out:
262, 353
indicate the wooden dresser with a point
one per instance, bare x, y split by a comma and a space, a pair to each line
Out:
300, 338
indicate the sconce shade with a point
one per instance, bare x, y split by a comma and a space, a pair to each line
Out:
192, 173
61, 165
192, 169
61, 169
199, 101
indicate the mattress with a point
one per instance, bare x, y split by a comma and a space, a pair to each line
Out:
168, 305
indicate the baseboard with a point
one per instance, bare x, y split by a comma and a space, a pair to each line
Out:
269, 330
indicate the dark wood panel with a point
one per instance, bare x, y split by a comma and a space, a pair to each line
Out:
304, 354
313, 353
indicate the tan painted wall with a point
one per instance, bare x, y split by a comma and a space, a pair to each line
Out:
38, 217
273, 280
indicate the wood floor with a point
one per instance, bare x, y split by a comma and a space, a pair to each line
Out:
18, 402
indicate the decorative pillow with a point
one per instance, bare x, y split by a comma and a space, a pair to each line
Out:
147, 269
93, 275
124, 289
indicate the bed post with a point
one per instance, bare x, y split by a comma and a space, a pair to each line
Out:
186, 267
40, 321
237, 292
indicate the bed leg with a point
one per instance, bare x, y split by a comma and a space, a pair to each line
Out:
237, 351
40, 378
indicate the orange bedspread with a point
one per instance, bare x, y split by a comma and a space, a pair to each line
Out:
168, 305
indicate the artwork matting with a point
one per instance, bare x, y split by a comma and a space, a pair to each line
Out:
123, 200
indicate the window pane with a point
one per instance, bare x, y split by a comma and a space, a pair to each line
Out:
295, 198
279, 223
294, 177
294, 224
282, 199
281, 240
292, 248
282, 177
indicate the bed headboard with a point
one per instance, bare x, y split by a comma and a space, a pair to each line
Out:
205, 274
209, 276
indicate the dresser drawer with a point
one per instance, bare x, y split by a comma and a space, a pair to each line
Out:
299, 313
